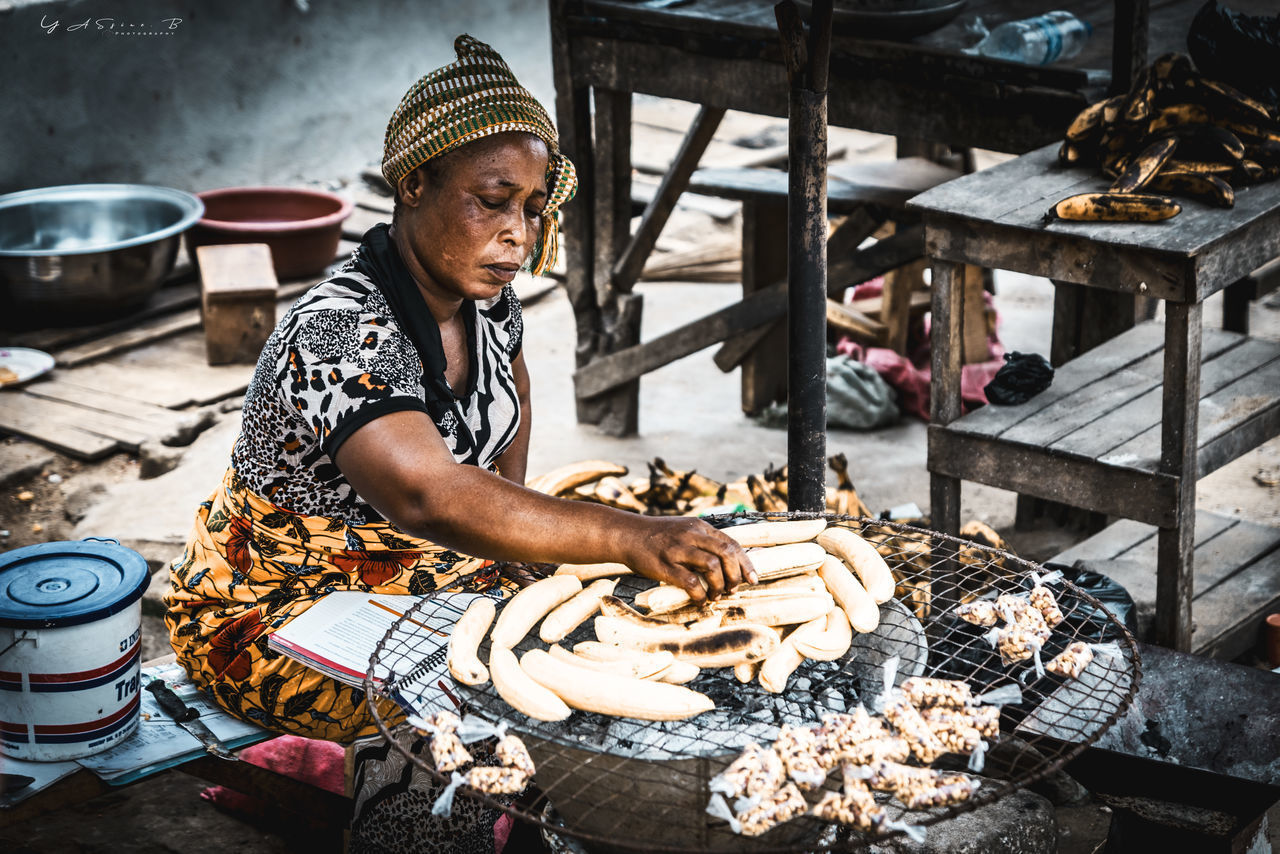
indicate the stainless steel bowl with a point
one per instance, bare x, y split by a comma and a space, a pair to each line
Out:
87, 250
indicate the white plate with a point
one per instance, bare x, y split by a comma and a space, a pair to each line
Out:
19, 364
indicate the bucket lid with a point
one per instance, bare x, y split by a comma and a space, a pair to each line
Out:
67, 583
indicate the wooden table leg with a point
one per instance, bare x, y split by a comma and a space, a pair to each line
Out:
764, 262
573, 119
944, 401
1181, 397
611, 202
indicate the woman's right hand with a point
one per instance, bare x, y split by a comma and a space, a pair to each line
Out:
688, 553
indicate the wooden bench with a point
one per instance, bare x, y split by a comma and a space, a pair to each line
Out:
1236, 584
872, 198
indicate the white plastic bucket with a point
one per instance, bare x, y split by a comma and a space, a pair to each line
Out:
70, 648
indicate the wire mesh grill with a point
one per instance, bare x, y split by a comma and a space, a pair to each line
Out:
623, 784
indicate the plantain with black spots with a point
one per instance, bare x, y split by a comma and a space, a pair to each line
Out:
1145, 166
1196, 185
1114, 207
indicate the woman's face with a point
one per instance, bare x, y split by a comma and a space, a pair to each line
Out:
471, 222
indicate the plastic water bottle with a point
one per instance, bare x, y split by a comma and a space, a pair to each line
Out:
1039, 40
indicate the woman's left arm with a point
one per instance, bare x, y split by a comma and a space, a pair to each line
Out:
514, 462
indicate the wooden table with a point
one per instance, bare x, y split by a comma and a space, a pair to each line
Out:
1119, 431
725, 54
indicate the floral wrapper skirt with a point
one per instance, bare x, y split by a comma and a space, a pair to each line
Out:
250, 567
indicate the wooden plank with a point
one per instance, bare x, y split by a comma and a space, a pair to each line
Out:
164, 327
1252, 395
148, 331
1228, 619
1179, 415
627, 268
1018, 192
1068, 479
1103, 394
1107, 432
626, 365
855, 323
1003, 116
1102, 361
1237, 578
884, 183
1108, 544
737, 348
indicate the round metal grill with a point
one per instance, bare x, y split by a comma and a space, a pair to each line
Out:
619, 784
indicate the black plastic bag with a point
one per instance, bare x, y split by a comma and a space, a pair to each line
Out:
1023, 376
1242, 50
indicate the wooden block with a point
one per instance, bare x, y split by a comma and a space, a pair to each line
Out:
238, 299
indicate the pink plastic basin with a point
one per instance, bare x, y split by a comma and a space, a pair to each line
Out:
302, 227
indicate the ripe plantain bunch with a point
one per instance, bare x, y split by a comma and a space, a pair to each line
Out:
1174, 132
673, 492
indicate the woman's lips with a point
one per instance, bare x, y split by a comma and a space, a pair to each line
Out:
503, 272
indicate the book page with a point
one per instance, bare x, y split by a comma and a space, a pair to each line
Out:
340, 633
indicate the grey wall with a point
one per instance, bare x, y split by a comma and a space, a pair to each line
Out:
239, 92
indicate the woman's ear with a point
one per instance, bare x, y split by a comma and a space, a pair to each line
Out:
410, 189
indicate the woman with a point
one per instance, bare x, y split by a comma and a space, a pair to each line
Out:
386, 428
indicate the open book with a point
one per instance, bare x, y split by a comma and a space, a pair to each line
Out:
339, 634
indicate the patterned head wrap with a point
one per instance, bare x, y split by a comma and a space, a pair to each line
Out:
477, 96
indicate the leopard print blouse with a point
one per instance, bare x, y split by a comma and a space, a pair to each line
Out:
342, 357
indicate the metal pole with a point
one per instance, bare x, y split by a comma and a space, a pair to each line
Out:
806, 62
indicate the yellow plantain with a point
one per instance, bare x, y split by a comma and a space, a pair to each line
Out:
1178, 114
1171, 70
1196, 185
1114, 207
569, 477
1088, 120
1226, 100
1144, 167
1137, 104
1205, 167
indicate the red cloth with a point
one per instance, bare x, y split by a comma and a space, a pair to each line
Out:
910, 374
309, 760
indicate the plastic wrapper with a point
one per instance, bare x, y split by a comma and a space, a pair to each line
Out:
1072, 661
497, 780
512, 753
718, 807
1043, 600
1019, 613
783, 805
954, 729
979, 612
802, 754
443, 807
925, 693
756, 772
906, 719
447, 750
893, 776
855, 806
856, 737
945, 790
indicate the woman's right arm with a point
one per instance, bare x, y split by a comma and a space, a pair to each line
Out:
399, 464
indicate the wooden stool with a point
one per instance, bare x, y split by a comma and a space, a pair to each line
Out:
238, 301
